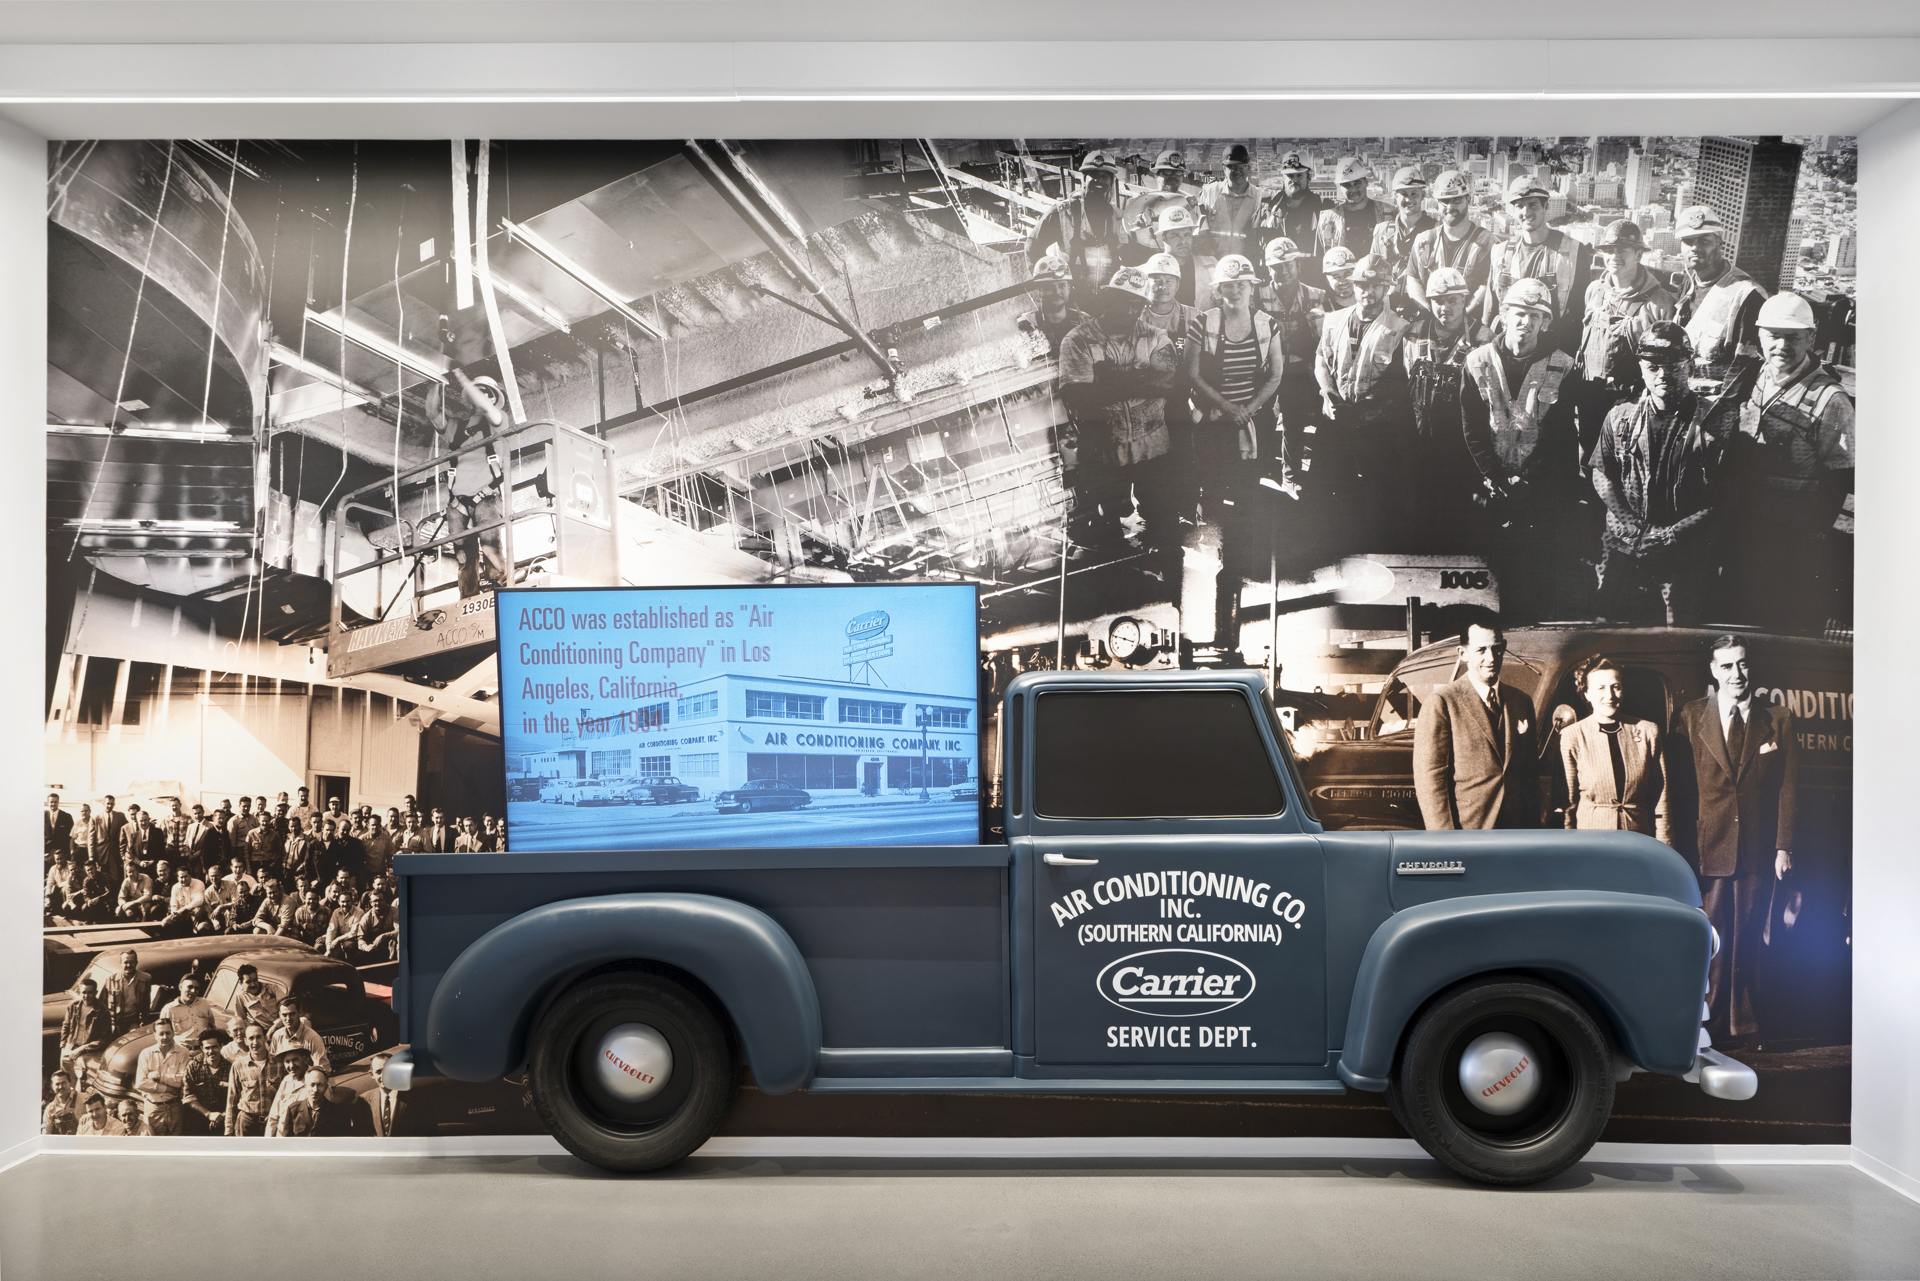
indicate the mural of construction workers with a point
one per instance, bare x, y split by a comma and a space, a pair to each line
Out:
1141, 216
1359, 458
1518, 421
1230, 206
1085, 229
1537, 251
1298, 309
1052, 318
1393, 239
1175, 231
1116, 372
1622, 304
1794, 471
1458, 242
1720, 309
1293, 212
1658, 471
1349, 223
1435, 351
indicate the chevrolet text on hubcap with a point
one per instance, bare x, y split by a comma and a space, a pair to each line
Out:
633, 1063
1499, 1073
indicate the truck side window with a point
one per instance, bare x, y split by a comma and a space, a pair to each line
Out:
1151, 754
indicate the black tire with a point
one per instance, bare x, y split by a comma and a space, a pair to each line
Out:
630, 1137
1555, 1131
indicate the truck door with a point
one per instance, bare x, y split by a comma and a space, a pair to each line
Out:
1178, 897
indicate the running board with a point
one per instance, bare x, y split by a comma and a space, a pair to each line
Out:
1040, 1085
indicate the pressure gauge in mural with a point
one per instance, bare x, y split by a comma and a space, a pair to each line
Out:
1134, 641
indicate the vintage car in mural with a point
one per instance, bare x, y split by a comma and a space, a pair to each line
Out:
759, 794
664, 790
351, 1022
162, 960
439, 1106
1173, 918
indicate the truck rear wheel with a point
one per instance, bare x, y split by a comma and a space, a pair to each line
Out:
1505, 1080
631, 1071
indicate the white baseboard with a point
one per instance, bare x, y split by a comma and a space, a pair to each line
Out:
1900, 1181
20, 1151
1108, 1147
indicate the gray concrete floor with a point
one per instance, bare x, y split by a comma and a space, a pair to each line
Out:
213, 1218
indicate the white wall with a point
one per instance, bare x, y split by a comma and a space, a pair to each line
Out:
1886, 839
23, 499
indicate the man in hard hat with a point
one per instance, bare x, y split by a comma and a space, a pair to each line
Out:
1228, 206
1051, 288
1116, 372
1435, 352
1535, 251
1349, 223
1336, 265
1794, 468
1142, 213
1518, 421
476, 410
1393, 239
1175, 230
1458, 243
1657, 469
1360, 457
1719, 307
1174, 318
1293, 212
1298, 309
1623, 302
1085, 229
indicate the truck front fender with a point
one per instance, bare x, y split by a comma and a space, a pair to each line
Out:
483, 1008
1641, 959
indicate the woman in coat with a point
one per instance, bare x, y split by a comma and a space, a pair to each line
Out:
1616, 778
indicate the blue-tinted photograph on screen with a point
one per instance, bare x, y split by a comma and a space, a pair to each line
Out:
734, 717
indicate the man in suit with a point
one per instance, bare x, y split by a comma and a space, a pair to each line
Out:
1476, 763
56, 828
115, 824
1736, 768
439, 836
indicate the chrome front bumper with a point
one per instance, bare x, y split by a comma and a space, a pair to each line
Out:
1722, 1077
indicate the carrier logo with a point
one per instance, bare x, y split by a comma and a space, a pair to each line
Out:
1175, 983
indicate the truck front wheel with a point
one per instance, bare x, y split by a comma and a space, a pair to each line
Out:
1505, 1080
631, 1071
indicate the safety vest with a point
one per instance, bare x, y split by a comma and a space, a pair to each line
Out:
1358, 365
1558, 268
1714, 322
1515, 415
1800, 431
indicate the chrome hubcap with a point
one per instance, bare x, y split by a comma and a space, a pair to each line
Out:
1500, 1074
633, 1062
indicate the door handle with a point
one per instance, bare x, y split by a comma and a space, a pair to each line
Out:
1061, 860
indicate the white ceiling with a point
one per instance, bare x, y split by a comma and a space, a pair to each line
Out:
589, 21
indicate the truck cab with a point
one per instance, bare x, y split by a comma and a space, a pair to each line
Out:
1167, 914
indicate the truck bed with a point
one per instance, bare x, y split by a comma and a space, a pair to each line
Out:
907, 945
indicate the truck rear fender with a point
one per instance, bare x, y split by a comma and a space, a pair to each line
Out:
1640, 960
483, 1008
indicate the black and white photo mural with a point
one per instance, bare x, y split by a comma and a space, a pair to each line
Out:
1521, 466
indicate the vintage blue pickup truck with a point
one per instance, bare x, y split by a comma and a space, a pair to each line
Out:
1166, 914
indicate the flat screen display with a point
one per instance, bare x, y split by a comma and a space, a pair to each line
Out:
740, 717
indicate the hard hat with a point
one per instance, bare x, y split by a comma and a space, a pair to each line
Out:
1098, 161
1163, 265
1526, 187
490, 386
1132, 282
1445, 281
1698, 220
1530, 294
1294, 164
1623, 233
1663, 343
1238, 154
1281, 249
1409, 178
1231, 268
1351, 170
1170, 160
1370, 270
1052, 267
1175, 217
1339, 258
1451, 185
1786, 311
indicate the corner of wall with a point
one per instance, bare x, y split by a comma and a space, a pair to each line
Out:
1886, 898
